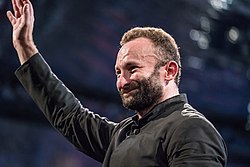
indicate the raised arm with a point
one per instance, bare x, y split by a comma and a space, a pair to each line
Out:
89, 132
22, 21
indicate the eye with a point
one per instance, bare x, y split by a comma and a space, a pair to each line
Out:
132, 69
117, 73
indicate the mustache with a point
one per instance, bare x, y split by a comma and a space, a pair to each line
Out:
128, 87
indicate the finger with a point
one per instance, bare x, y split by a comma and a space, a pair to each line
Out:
31, 10
23, 2
15, 8
14, 4
11, 18
26, 12
19, 4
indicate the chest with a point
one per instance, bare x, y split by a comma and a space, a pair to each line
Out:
143, 146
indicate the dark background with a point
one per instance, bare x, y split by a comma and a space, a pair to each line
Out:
80, 40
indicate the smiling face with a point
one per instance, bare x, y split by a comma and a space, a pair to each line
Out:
138, 81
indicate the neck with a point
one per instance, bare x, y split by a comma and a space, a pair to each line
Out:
167, 95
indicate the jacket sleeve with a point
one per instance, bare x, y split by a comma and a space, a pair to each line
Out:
196, 142
89, 132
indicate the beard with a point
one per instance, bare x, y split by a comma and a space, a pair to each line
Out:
144, 93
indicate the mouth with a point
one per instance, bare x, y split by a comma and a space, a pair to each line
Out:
129, 92
130, 89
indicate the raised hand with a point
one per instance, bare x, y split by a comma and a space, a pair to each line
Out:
22, 21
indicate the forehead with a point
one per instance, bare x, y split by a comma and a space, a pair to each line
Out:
140, 49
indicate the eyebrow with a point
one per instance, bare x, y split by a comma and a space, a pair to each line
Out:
128, 64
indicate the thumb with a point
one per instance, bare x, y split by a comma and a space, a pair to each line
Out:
11, 18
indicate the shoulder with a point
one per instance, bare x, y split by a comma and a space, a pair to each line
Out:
193, 119
195, 127
195, 136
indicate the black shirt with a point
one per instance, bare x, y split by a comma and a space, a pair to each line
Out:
171, 134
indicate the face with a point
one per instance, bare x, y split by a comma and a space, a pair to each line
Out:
138, 82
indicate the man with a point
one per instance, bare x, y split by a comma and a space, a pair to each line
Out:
166, 130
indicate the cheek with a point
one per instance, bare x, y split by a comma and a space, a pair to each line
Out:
136, 77
141, 75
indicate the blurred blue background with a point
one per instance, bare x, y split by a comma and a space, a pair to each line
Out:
80, 40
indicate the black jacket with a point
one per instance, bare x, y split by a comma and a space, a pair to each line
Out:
172, 134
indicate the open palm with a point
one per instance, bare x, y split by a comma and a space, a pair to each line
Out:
22, 21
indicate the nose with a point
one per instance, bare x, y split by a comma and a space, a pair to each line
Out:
122, 81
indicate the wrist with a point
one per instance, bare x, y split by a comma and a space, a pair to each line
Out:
25, 51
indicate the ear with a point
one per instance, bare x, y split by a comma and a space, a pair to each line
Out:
171, 70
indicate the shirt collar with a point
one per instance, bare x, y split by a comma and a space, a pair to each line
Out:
164, 108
